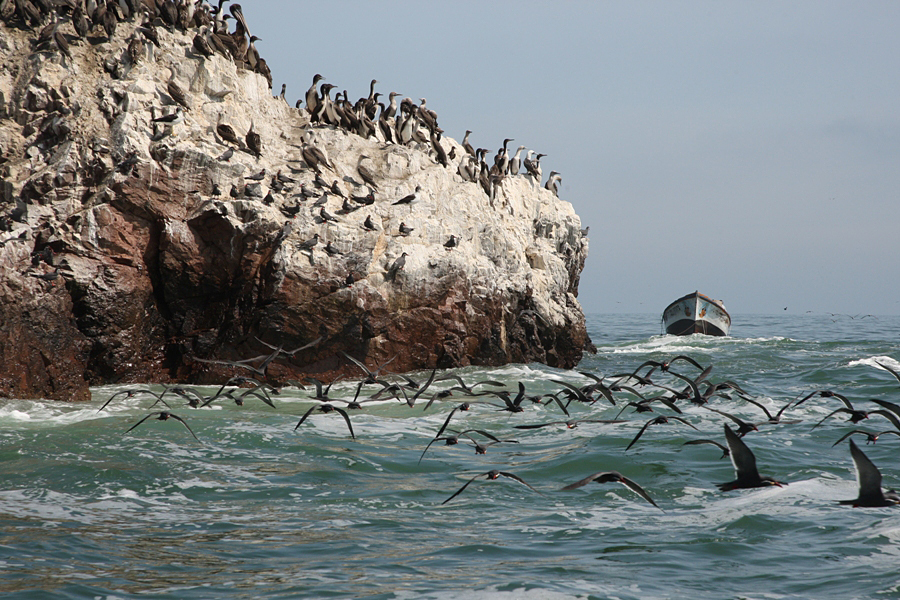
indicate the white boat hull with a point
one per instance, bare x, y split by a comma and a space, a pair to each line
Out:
696, 313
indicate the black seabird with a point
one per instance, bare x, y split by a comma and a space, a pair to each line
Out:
612, 476
327, 408
658, 421
744, 466
451, 243
254, 142
164, 416
310, 243
489, 475
869, 479
368, 225
226, 132
404, 229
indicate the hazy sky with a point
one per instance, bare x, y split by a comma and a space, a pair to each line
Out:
750, 150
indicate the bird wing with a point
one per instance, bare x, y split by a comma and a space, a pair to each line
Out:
183, 422
576, 390
890, 370
460, 490
848, 434
887, 415
724, 449
306, 414
347, 419
640, 433
539, 425
141, 421
687, 359
764, 409
517, 478
867, 474
741, 457
638, 490
684, 421
894, 408
116, 395
585, 481
832, 413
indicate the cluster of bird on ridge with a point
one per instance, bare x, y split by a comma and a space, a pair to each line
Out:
397, 122
639, 389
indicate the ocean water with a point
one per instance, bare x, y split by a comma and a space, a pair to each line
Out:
259, 509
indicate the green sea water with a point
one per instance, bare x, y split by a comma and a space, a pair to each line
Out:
258, 509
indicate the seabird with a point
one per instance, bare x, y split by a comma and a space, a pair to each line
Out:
369, 225
391, 110
658, 421
611, 476
396, 266
467, 146
871, 438
201, 44
314, 158
410, 199
327, 408
254, 142
491, 475
172, 119
226, 132
164, 416
451, 243
744, 463
515, 161
404, 229
553, 183
176, 92
869, 479
310, 243
326, 216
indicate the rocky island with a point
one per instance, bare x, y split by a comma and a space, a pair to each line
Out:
163, 213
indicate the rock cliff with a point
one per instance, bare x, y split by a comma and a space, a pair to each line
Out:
135, 250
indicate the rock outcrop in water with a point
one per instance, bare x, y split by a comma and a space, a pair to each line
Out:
133, 248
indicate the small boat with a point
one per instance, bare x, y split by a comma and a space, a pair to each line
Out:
696, 313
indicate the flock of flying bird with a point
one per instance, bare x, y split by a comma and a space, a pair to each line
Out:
407, 123
641, 390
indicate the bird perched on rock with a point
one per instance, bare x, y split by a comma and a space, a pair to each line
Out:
171, 120
177, 93
226, 132
410, 199
404, 230
395, 267
254, 142
451, 243
315, 158
365, 174
368, 225
310, 243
